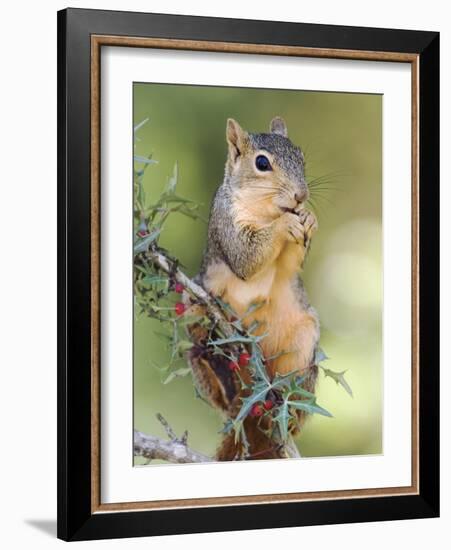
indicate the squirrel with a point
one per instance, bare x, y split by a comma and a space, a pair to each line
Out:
259, 233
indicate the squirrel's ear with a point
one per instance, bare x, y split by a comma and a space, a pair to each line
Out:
278, 126
235, 138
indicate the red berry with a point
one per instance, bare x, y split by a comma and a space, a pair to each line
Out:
243, 359
268, 405
179, 288
180, 308
233, 366
142, 233
256, 410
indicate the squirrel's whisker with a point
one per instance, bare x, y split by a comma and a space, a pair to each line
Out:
335, 173
329, 177
322, 182
319, 210
319, 197
324, 191
321, 189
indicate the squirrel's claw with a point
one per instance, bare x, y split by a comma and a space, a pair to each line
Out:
310, 223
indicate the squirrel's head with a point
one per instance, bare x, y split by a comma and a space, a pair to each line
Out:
265, 170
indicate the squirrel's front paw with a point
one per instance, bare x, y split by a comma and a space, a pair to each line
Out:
299, 228
310, 224
293, 228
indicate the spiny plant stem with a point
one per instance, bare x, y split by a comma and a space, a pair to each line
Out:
162, 262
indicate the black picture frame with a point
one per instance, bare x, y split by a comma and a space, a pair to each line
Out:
76, 519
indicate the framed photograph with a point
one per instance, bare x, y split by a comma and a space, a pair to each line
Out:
248, 274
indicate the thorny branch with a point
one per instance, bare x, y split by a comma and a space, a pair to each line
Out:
174, 449
159, 259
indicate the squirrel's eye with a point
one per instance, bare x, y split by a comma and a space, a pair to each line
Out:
262, 163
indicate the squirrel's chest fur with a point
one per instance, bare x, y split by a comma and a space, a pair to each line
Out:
280, 317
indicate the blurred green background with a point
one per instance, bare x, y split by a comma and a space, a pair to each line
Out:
341, 135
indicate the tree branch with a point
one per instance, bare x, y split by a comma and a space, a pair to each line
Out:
172, 450
177, 451
291, 449
196, 290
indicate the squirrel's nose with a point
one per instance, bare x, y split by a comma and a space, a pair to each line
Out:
299, 197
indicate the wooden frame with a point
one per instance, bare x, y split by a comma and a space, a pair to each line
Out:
81, 515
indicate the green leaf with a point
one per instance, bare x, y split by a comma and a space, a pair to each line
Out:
286, 380
252, 327
140, 194
339, 379
142, 245
144, 160
254, 307
237, 324
258, 364
154, 279
186, 212
319, 356
297, 390
184, 345
259, 393
309, 407
228, 426
179, 373
226, 307
260, 389
282, 419
177, 198
172, 181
